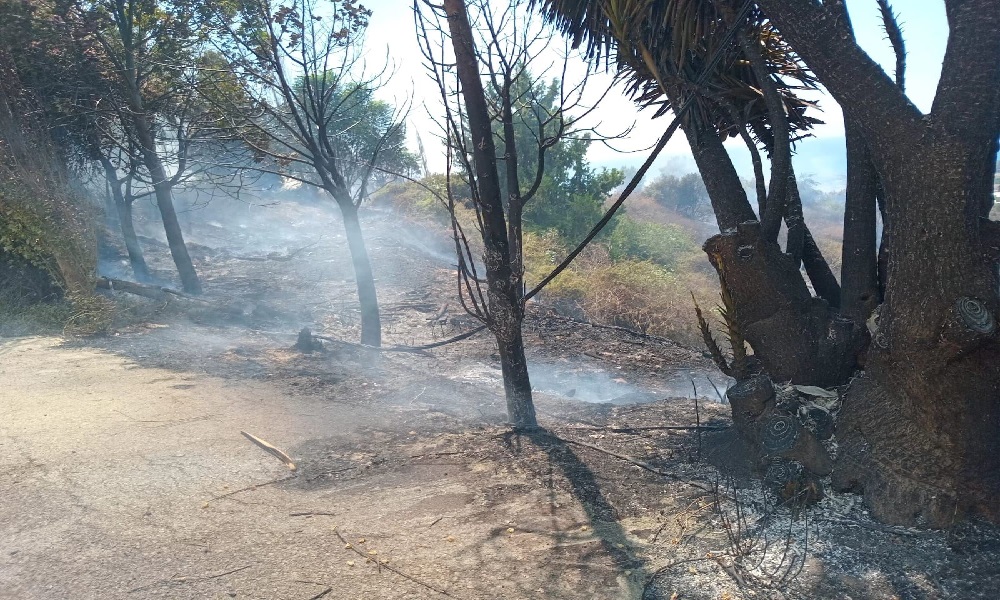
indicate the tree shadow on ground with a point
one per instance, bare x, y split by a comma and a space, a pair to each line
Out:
602, 515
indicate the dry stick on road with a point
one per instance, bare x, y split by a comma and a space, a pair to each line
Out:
252, 487
271, 450
321, 594
381, 564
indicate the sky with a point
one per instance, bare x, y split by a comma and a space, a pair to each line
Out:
392, 34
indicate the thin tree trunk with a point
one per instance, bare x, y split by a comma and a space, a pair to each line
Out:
124, 211
820, 274
371, 323
110, 207
516, 383
725, 190
135, 256
506, 307
164, 201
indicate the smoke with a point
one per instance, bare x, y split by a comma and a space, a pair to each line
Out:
275, 266
585, 383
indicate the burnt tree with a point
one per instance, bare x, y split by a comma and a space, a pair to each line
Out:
295, 87
501, 123
912, 335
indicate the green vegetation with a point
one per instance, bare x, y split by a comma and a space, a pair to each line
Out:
570, 195
48, 247
639, 274
663, 245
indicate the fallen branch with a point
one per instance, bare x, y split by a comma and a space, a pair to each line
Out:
154, 292
651, 428
632, 332
381, 564
271, 450
321, 594
875, 527
402, 348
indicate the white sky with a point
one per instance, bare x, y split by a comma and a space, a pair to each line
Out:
391, 30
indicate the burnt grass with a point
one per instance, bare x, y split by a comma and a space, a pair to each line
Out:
672, 510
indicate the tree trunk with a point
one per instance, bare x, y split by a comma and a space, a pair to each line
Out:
123, 209
516, 383
725, 190
796, 337
859, 269
506, 306
920, 434
164, 201
135, 257
371, 323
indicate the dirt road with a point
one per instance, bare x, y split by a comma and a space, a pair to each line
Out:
124, 482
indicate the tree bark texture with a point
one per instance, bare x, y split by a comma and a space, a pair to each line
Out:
371, 323
859, 269
919, 432
796, 337
725, 190
506, 309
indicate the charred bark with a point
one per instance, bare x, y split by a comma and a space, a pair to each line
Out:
820, 274
371, 323
859, 270
920, 431
725, 190
505, 293
796, 337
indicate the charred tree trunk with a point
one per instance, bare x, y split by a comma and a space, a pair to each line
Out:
164, 201
859, 271
796, 337
919, 432
516, 383
506, 305
371, 323
725, 190
123, 208
820, 274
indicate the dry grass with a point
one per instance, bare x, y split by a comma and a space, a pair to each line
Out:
638, 294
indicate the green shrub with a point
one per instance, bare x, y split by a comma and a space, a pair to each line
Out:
422, 199
663, 245
47, 229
